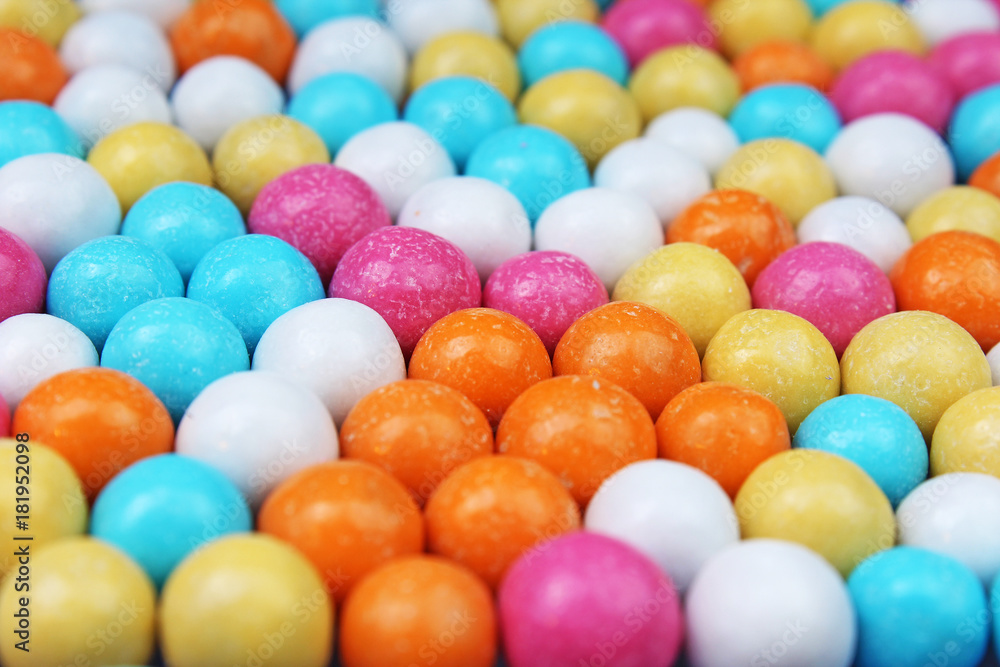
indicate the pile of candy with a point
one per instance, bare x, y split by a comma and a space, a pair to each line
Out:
544, 333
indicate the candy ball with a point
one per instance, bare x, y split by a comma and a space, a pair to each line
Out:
27, 128
304, 15
32, 68
965, 439
860, 223
892, 158
339, 349
743, 25
632, 606
987, 175
923, 362
163, 12
318, 511
36, 18
964, 208
698, 133
22, 277
339, 105
274, 606
646, 26
89, 602
419, 21
958, 515
973, 130
782, 62
939, 20
969, 61
790, 111
459, 351
571, 45
807, 617
994, 360
694, 284
520, 18
684, 76
853, 30
257, 429
162, 508
468, 53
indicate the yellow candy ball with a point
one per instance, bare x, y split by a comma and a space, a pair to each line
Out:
923, 362
958, 208
791, 175
779, 355
853, 30
694, 284
137, 158
520, 18
967, 438
89, 604
820, 500
46, 19
586, 107
684, 76
243, 597
469, 54
253, 153
58, 506
743, 24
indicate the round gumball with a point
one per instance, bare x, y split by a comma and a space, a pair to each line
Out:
468, 53
548, 290
987, 175
28, 128
684, 76
694, 284
965, 439
304, 15
243, 598
698, 133
89, 602
923, 362
417, 608
782, 62
35, 17
939, 20
339, 349
633, 612
751, 350
521, 18
964, 208
23, 281
346, 517
786, 110
162, 508
571, 45
853, 30
643, 27
257, 429
338, 105
184, 220
482, 218
958, 515
459, 351
968, 62
973, 130
419, 21
117, 37
97, 283
861, 223
787, 602
163, 12
743, 25
32, 68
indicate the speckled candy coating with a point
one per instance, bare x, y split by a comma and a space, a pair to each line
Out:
320, 209
969, 62
410, 277
22, 277
548, 290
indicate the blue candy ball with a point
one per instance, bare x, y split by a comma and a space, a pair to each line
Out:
789, 111
536, 165
184, 220
176, 347
162, 508
873, 433
571, 45
337, 106
974, 132
253, 280
917, 608
94, 285
28, 128
304, 15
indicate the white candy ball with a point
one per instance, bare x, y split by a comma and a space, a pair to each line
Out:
220, 92
56, 202
769, 602
34, 347
666, 178
698, 133
938, 20
675, 514
892, 158
396, 159
482, 218
958, 515
258, 429
355, 44
994, 358
861, 223
607, 229
163, 12
417, 22
340, 349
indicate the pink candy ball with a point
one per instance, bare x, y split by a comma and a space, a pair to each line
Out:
319, 209
4, 418
888, 81
642, 27
22, 277
547, 289
587, 599
969, 62
833, 286
410, 277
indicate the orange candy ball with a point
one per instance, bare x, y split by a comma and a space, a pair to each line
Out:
723, 430
346, 517
583, 429
745, 227
419, 610
417, 431
252, 29
782, 62
492, 510
31, 68
488, 355
635, 346
101, 420
987, 175
955, 274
